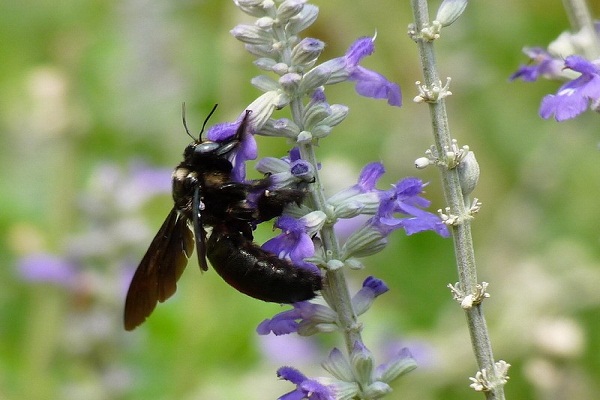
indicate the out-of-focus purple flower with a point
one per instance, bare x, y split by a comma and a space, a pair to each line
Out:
370, 83
305, 388
245, 150
574, 97
422, 351
545, 65
286, 349
293, 243
405, 198
399, 365
47, 268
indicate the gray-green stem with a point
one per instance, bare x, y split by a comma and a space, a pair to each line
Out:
461, 232
581, 18
335, 290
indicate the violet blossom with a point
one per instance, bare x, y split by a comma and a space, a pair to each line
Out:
573, 97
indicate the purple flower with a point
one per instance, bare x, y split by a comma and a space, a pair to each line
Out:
287, 171
293, 243
303, 317
573, 97
545, 65
286, 349
402, 363
363, 299
404, 198
363, 197
283, 323
370, 83
305, 388
374, 286
245, 150
47, 268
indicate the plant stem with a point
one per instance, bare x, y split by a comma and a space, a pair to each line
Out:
581, 19
461, 232
336, 291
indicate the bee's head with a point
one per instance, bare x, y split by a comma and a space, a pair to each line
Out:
199, 149
229, 146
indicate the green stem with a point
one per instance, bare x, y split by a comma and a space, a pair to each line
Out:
463, 243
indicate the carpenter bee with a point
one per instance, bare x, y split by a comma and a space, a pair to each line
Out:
204, 195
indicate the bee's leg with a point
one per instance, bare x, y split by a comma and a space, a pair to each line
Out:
272, 202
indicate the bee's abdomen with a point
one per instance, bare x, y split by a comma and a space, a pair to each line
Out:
256, 272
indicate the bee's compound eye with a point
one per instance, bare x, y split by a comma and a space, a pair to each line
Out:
206, 148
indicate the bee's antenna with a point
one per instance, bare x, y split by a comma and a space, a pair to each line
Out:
203, 124
185, 123
206, 120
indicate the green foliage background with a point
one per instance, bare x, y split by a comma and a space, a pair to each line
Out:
90, 83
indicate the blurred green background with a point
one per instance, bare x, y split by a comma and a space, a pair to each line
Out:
92, 90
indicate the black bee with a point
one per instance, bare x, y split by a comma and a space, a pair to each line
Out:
205, 196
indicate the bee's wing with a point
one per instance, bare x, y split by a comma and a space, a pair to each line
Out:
199, 232
156, 277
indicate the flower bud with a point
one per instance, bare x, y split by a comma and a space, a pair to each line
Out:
303, 19
304, 137
400, 365
337, 365
377, 390
468, 173
338, 113
422, 162
450, 10
255, 8
307, 51
265, 63
282, 127
361, 360
289, 9
265, 83
290, 81
251, 34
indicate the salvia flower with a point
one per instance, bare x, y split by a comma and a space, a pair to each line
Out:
292, 77
403, 198
368, 82
305, 318
371, 289
356, 376
361, 198
542, 64
575, 96
246, 150
295, 242
287, 171
305, 388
